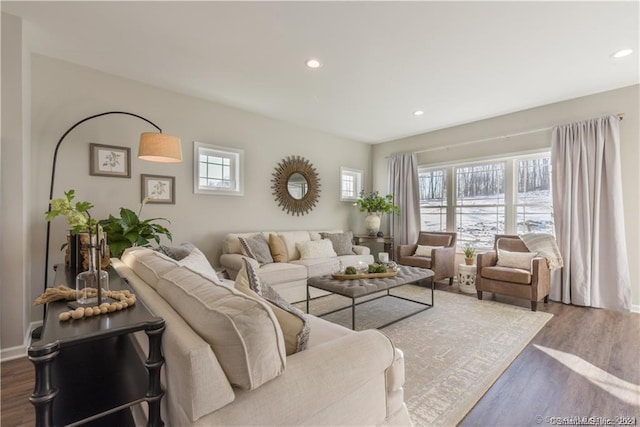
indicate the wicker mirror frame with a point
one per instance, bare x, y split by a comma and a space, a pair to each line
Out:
284, 170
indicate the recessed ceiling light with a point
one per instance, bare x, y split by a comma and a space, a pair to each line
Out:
313, 63
418, 113
622, 53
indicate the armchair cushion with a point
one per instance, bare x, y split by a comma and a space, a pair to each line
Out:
425, 250
507, 274
521, 260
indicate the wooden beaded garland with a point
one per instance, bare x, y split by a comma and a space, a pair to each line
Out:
125, 299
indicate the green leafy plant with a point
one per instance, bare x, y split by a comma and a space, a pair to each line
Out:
78, 216
374, 202
468, 251
129, 230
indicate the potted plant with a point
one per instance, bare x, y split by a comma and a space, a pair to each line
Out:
129, 230
375, 205
469, 252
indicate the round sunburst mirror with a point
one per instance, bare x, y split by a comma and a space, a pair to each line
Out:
296, 185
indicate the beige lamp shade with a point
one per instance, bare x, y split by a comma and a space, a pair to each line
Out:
160, 147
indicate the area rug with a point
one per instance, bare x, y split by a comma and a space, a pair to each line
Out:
454, 351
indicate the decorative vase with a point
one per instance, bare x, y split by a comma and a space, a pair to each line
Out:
91, 283
372, 223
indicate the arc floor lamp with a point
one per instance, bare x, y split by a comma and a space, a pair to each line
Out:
153, 146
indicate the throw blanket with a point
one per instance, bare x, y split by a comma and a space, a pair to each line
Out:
545, 245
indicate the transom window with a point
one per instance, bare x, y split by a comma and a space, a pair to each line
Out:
510, 196
350, 184
218, 170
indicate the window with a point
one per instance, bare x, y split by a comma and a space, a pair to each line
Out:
350, 184
480, 203
533, 206
433, 199
480, 200
218, 170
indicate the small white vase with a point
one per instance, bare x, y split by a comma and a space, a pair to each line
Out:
372, 223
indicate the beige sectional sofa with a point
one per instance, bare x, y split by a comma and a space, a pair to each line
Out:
341, 378
290, 278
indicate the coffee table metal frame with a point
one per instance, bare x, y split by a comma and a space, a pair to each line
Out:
353, 305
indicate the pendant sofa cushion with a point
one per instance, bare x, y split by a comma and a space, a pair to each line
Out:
278, 248
342, 242
293, 322
521, 260
256, 247
316, 249
148, 264
242, 331
425, 250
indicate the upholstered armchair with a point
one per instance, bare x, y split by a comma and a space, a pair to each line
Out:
436, 251
510, 269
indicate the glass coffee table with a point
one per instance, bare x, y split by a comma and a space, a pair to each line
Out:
358, 288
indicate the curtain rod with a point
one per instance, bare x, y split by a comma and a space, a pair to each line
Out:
620, 116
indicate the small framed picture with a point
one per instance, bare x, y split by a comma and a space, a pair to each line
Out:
158, 189
109, 160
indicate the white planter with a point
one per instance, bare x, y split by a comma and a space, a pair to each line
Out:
372, 223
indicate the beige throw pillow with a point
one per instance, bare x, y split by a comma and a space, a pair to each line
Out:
278, 248
243, 332
521, 260
293, 322
316, 249
425, 250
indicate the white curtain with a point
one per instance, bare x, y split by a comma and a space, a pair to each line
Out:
402, 175
588, 215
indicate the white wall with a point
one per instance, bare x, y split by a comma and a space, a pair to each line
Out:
14, 181
64, 93
624, 100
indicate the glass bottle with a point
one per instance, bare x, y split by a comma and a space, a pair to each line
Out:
87, 282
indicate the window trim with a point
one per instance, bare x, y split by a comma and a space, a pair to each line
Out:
237, 169
359, 182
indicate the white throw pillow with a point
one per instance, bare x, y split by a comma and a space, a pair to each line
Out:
425, 250
521, 260
242, 331
199, 263
316, 249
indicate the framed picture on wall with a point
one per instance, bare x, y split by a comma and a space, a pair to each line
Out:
158, 189
109, 160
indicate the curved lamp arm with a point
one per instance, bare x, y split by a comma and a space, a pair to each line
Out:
53, 174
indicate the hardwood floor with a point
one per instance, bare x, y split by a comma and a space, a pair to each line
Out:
584, 363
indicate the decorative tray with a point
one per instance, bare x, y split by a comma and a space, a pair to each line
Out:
343, 276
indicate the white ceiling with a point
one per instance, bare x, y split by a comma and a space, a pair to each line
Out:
458, 61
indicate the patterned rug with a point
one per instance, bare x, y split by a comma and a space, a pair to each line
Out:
454, 351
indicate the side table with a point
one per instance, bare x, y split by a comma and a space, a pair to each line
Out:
467, 278
89, 368
387, 242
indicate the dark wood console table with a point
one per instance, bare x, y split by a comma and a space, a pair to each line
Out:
387, 242
89, 371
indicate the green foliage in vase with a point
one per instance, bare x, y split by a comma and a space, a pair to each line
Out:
78, 216
374, 202
129, 230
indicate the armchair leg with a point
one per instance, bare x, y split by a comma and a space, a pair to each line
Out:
546, 299
450, 281
534, 305
480, 295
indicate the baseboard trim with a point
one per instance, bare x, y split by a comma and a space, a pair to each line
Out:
635, 308
19, 351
